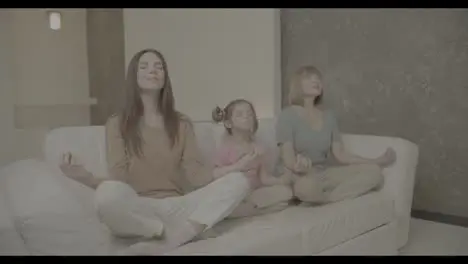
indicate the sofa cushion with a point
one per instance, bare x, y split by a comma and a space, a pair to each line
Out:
267, 138
53, 214
296, 230
205, 139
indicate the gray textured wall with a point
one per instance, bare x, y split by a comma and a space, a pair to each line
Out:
106, 57
395, 72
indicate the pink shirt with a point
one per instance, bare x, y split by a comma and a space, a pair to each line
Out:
229, 153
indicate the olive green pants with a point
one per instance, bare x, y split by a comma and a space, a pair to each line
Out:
338, 183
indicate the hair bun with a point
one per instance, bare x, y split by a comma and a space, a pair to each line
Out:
217, 114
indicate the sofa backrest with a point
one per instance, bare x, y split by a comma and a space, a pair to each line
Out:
88, 143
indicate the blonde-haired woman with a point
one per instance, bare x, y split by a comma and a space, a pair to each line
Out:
306, 134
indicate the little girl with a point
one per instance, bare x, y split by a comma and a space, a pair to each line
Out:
239, 151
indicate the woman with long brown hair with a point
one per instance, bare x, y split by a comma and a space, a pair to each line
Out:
307, 134
155, 164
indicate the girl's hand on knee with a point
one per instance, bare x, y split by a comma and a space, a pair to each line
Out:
243, 163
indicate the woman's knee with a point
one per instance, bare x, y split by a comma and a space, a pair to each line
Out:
283, 192
271, 195
371, 174
309, 189
110, 193
245, 208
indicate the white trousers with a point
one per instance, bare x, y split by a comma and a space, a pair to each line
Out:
128, 215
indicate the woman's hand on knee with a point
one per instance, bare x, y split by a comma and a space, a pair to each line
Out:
73, 170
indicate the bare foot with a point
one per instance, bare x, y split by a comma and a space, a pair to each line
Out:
387, 159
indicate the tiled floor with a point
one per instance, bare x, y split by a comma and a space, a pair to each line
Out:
432, 238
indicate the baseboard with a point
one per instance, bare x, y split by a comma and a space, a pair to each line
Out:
442, 218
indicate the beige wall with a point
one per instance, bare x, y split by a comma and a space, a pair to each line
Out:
213, 55
6, 90
51, 66
46, 83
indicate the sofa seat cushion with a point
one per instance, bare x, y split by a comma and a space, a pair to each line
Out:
297, 230
11, 242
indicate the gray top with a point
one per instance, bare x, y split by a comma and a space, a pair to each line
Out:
311, 143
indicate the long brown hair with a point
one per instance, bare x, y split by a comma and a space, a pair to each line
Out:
133, 111
295, 90
222, 115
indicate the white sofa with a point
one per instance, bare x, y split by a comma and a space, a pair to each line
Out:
44, 213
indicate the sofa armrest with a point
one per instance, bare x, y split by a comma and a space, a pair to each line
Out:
399, 177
